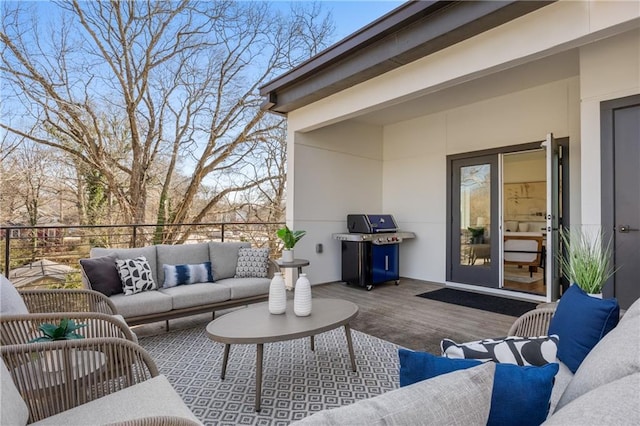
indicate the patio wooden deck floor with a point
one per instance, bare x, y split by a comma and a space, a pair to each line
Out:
392, 313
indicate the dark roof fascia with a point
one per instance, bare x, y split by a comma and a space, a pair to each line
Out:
407, 33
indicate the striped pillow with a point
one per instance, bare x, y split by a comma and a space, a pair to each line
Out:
175, 275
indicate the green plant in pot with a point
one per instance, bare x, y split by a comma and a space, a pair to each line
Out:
289, 239
587, 259
66, 330
477, 235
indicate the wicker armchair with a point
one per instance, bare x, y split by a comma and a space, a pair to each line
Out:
92, 381
20, 329
533, 323
77, 300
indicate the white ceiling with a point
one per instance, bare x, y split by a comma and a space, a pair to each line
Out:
552, 68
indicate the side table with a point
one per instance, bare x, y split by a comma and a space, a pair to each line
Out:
297, 263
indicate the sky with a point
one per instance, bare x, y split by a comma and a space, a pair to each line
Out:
350, 16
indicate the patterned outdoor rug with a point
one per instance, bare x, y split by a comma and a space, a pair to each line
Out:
296, 381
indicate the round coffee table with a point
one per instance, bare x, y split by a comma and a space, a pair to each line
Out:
255, 325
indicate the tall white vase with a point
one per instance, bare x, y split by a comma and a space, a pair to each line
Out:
277, 295
302, 297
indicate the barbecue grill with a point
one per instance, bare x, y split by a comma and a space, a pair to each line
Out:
370, 251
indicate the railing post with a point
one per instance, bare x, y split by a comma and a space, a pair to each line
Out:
7, 244
222, 233
135, 236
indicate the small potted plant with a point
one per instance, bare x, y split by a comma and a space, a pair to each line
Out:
477, 235
66, 330
289, 239
587, 259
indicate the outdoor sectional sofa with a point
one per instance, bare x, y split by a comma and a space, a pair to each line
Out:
603, 390
226, 290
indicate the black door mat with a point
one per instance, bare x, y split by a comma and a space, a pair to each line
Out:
499, 305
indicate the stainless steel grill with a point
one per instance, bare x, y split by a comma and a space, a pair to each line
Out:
370, 250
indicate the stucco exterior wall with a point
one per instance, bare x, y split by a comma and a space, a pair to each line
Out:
339, 165
415, 159
609, 69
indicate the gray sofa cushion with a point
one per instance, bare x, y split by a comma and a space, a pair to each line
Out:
186, 296
180, 254
14, 410
148, 252
459, 398
246, 287
224, 258
560, 383
153, 397
616, 403
145, 303
614, 357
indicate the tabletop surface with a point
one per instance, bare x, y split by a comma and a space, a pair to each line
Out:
256, 325
295, 264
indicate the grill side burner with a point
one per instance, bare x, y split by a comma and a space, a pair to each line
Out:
370, 251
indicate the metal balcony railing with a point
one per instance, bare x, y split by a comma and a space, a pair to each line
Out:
48, 255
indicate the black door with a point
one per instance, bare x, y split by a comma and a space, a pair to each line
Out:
621, 194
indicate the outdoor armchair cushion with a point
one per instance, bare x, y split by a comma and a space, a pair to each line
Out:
14, 410
615, 403
150, 398
461, 398
11, 302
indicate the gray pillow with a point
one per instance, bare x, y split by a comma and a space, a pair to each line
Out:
459, 398
14, 409
616, 403
102, 274
252, 263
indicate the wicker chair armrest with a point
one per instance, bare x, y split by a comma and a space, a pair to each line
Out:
53, 377
20, 329
73, 300
533, 323
158, 421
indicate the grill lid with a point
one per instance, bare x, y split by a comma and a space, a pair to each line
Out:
371, 223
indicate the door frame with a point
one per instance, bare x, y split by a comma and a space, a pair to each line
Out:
607, 183
565, 195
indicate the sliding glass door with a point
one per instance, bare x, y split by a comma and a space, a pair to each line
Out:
474, 231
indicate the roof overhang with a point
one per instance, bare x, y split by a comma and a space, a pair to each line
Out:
412, 31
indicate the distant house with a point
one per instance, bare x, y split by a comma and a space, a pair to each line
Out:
438, 111
41, 273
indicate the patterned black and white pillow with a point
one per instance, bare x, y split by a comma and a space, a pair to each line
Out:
536, 351
175, 275
252, 263
135, 275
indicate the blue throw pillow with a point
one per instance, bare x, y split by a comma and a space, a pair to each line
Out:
520, 394
581, 321
175, 275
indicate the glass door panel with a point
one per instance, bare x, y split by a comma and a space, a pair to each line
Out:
473, 230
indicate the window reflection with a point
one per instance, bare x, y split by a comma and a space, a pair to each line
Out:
475, 214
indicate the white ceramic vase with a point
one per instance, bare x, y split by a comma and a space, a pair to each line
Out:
302, 297
277, 295
287, 255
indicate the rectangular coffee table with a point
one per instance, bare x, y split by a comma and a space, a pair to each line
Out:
255, 325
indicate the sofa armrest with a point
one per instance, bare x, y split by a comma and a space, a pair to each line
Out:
74, 300
273, 268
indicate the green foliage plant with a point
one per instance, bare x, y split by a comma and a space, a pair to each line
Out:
66, 330
587, 259
289, 237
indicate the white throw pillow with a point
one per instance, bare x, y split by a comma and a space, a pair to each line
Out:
135, 275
